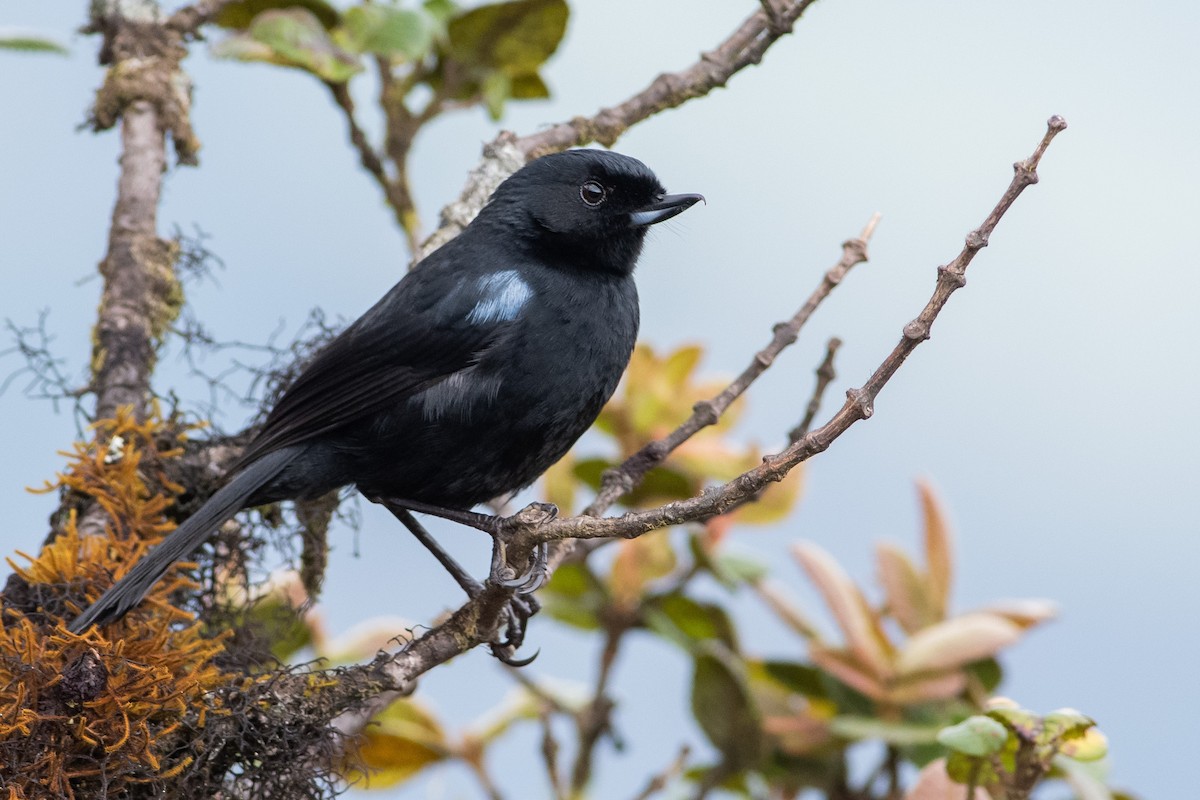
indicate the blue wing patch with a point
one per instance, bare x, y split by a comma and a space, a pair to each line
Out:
504, 295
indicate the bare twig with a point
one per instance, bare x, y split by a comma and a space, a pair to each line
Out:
744, 47
662, 779
550, 750
825, 376
595, 719
43, 369
367, 155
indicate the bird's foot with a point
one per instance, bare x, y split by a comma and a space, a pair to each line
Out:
502, 573
517, 613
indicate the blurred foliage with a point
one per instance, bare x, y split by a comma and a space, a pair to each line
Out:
906, 670
429, 57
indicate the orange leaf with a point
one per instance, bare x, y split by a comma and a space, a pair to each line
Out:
845, 668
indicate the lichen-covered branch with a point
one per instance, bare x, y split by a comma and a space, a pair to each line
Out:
148, 95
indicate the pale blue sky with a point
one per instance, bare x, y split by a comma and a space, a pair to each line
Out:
1054, 406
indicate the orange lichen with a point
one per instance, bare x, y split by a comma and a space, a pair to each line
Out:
86, 715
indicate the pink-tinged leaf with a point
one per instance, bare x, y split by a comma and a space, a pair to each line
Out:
934, 784
845, 667
864, 636
956, 642
907, 599
797, 734
1026, 613
927, 688
784, 608
939, 549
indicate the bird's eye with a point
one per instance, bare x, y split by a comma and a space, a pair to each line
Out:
592, 193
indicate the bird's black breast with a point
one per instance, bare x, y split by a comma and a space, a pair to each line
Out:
495, 426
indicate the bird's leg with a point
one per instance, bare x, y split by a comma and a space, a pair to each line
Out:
517, 611
500, 529
472, 587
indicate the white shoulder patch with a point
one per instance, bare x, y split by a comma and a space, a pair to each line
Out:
504, 295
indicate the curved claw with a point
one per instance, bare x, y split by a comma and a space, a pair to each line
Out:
518, 612
505, 658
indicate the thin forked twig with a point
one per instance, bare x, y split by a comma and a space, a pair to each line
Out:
826, 375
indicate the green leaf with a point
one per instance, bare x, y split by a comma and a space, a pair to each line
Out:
902, 734
514, 38
30, 42
240, 14
734, 570
724, 708
574, 596
274, 620
388, 31
441, 10
291, 37
529, 86
496, 88
977, 736
988, 672
799, 678
966, 769
660, 485
686, 622
1025, 724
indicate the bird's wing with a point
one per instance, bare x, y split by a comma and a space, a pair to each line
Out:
414, 338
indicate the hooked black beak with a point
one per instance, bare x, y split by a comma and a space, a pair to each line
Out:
665, 207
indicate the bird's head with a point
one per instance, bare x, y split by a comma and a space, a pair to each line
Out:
587, 209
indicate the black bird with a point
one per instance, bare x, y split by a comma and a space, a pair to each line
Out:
473, 374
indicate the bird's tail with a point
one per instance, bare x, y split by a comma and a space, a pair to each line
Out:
231, 498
